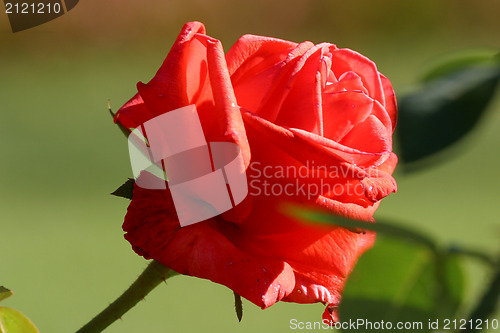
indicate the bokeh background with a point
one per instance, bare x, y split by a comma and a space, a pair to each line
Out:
61, 245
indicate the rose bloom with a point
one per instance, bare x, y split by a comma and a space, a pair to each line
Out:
285, 105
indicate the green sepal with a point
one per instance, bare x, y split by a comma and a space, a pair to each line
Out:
126, 190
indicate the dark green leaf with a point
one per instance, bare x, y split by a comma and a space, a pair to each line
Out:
398, 281
12, 321
460, 60
5, 293
450, 282
444, 110
238, 306
125, 190
488, 303
476, 254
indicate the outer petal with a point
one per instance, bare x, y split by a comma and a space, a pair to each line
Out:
181, 74
133, 113
252, 54
254, 63
321, 257
170, 81
390, 100
341, 250
194, 72
210, 250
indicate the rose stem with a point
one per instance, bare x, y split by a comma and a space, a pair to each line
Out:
152, 276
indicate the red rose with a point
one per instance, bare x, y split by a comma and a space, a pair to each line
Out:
308, 118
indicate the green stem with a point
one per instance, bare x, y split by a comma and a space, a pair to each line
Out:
152, 276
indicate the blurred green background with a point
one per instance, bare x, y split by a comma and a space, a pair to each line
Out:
61, 245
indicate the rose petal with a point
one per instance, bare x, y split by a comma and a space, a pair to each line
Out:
369, 136
253, 63
349, 81
342, 111
251, 54
210, 249
321, 257
133, 113
305, 146
195, 72
345, 60
173, 76
265, 65
390, 100
335, 183
304, 95
312, 284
